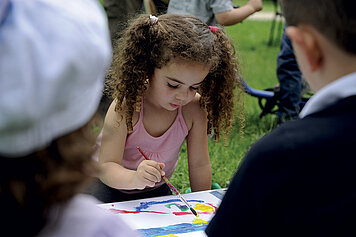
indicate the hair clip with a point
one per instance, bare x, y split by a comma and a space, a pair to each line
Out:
214, 29
153, 19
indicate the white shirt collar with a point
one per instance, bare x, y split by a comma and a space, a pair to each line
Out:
339, 89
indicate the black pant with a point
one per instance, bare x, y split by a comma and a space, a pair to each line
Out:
107, 194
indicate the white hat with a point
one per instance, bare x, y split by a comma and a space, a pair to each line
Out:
53, 58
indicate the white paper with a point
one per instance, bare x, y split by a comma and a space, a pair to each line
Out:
167, 215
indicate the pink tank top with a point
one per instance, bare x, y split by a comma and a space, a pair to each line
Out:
164, 148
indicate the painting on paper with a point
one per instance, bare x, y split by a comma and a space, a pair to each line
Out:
168, 216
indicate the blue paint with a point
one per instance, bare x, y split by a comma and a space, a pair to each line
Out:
173, 229
145, 205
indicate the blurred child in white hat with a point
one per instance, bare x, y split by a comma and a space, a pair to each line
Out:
53, 59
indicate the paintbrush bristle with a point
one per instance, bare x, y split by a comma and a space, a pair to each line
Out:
194, 212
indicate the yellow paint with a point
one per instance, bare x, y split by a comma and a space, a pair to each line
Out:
199, 221
170, 235
203, 207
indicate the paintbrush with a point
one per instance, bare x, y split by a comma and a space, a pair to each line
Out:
170, 185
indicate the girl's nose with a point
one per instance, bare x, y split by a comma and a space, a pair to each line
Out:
182, 96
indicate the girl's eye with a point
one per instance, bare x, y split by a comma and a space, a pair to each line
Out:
194, 88
172, 86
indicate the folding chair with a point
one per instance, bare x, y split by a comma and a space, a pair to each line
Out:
155, 7
150, 7
277, 17
268, 99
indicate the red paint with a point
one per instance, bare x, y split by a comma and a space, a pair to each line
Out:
189, 213
182, 213
117, 211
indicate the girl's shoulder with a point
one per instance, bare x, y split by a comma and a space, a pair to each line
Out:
114, 115
192, 112
193, 105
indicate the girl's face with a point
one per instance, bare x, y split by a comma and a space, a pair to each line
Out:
176, 84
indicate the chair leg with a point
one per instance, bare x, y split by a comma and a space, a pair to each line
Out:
270, 41
277, 17
150, 7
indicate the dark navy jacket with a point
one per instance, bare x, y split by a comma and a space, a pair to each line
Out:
299, 180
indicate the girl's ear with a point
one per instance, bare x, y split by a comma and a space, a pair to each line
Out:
305, 39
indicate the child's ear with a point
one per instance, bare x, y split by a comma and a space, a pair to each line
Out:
306, 40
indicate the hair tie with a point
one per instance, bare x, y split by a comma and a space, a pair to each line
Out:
153, 19
214, 29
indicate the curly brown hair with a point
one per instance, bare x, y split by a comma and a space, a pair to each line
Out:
147, 44
31, 185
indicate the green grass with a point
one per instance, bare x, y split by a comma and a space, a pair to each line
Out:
258, 67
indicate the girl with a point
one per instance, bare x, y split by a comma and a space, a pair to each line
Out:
173, 79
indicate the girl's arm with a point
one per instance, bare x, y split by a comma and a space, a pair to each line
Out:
197, 148
112, 147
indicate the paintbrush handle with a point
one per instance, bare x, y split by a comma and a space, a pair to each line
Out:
183, 200
170, 185
175, 191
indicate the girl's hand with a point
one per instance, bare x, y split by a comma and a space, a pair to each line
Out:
148, 173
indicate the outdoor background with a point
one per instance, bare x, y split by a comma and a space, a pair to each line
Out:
257, 59
258, 67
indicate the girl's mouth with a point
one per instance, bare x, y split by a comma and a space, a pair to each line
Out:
174, 105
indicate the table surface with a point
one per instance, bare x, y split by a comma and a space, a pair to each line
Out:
168, 215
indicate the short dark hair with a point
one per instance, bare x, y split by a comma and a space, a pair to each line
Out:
335, 19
